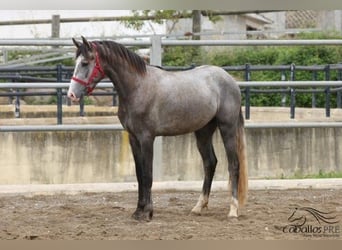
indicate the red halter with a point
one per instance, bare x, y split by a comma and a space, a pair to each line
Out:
96, 71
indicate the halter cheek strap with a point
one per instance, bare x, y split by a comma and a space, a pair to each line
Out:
97, 71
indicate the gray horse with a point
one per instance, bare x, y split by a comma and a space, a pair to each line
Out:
154, 102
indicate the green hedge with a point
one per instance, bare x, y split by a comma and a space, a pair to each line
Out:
267, 55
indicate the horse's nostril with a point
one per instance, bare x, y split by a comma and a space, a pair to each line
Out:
72, 96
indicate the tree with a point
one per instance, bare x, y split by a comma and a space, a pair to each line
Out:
176, 55
136, 21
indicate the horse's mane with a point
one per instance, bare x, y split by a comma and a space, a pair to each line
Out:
110, 51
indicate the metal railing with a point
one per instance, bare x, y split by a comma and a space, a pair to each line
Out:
287, 73
60, 90
118, 127
170, 42
156, 42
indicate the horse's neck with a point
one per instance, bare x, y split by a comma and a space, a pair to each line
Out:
125, 85
124, 81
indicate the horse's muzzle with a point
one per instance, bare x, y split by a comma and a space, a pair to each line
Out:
73, 97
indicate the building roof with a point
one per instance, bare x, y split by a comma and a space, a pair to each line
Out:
258, 18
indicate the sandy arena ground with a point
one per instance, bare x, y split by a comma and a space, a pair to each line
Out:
105, 215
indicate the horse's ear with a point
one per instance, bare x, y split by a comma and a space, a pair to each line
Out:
77, 43
86, 43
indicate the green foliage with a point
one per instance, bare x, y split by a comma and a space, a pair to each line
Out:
268, 55
213, 18
87, 100
181, 56
136, 21
285, 55
320, 175
20, 55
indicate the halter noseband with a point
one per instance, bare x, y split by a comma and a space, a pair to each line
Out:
96, 71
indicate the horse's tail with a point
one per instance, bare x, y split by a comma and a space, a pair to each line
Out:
243, 171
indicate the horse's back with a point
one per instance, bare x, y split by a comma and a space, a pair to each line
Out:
185, 101
209, 75
199, 84
229, 94
220, 81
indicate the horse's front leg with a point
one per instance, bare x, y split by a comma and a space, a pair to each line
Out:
143, 156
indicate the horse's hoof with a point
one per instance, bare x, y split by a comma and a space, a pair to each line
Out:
233, 219
233, 215
141, 215
196, 211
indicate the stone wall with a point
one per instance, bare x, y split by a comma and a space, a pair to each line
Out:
105, 156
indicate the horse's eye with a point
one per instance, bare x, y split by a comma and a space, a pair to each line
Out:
84, 64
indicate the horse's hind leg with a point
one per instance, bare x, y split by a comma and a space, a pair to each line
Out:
206, 149
228, 133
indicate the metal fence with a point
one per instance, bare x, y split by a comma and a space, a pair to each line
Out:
288, 73
60, 74
156, 43
35, 77
118, 127
60, 90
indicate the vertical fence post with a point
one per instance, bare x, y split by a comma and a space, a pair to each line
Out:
59, 72
293, 91
114, 97
248, 93
293, 102
55, 26
156, 59
156, 51
313, 98
82, 105
339, 96
82, 113
17, 106
59, 96
59, 106
327, 92
283, 95
5, 55
17, 102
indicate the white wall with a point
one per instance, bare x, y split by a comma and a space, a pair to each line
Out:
330, 20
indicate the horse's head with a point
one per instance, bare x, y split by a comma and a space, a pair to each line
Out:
88, 70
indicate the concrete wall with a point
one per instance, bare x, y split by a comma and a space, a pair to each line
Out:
231, 23
84, 157
330, 20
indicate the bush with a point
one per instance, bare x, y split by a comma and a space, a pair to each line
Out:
269, 55
181, 56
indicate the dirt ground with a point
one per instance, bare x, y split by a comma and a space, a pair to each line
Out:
108, 216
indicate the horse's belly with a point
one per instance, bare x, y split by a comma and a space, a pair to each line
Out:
183, 121
186, 107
